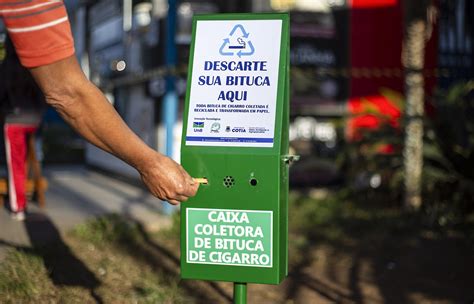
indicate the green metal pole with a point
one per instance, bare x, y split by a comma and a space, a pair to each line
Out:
240, 293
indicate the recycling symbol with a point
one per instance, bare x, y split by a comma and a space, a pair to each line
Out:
237, 43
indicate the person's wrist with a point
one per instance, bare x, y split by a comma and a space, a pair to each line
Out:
146, 160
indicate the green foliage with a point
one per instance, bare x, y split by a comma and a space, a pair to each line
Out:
2, 53
449, 157
454, 129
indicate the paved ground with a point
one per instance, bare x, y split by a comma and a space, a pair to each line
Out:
76, 194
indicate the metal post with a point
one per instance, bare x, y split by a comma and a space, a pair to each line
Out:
170, 104
240, 293
170, 100
127, 15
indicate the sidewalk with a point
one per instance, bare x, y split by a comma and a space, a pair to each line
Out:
76, 194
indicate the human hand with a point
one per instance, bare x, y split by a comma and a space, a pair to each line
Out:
167, 180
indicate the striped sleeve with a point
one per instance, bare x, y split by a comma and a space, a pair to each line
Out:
39, 29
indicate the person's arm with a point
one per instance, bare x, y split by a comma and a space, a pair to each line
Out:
84, 107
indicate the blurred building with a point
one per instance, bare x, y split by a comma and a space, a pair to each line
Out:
345, 57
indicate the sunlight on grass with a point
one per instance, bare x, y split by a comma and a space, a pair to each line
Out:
22, 277
109, 228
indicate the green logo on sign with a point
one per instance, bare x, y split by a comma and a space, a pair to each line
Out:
229, 237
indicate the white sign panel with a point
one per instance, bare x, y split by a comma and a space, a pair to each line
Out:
234, 83
229, 237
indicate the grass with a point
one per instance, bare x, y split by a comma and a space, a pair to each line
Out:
21, 277
122, 262
107, 253
333, 236
107, 230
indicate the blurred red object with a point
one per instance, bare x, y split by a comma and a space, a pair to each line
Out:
373, 3
370, 112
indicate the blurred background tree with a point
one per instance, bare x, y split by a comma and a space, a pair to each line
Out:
417, 30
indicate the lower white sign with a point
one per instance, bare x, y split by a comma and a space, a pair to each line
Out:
229, 237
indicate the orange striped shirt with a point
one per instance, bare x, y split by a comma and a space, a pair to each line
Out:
39, 30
